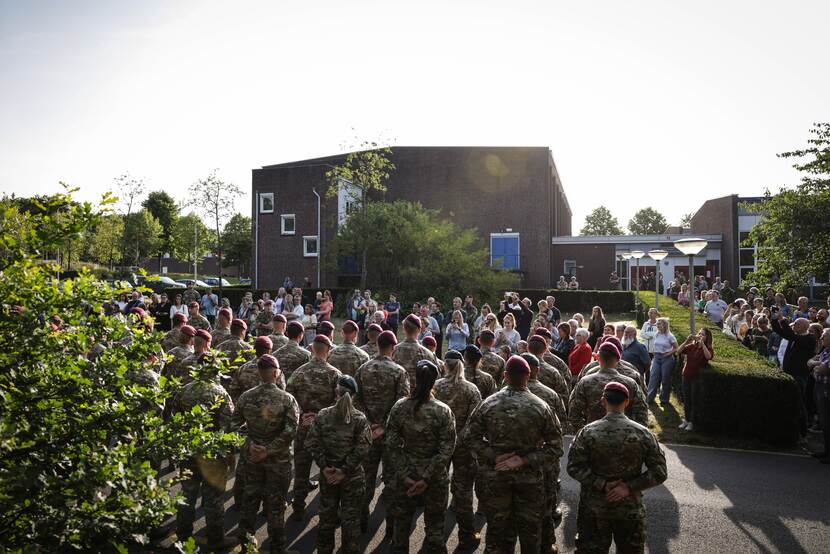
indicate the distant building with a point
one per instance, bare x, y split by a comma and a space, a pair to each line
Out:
512, 195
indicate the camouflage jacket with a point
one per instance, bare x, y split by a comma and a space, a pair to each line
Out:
420, 442
220, 335
263, 323
171, 340
313, 385
515, 420
461, 396
291, 356
370, 348
267, 416
247, 377
483, 381
238, 351
176, 362
612, 448
278, 340
559, 365
585, 405
552, 379
191, 295
143, 376
210, 396
199, 321
335, 443
347, 358
381, 382
493, 365
622, 366
408, 353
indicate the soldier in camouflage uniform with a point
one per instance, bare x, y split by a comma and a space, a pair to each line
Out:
339, 440
190, 295
313, 385
483, 381
585, 405
263, 322
607, 458
235, 348
171, 338
207, 475
421, 440
326, 328
373, 331
548, 375
268, 417
201, 346
176, 356
491, 363
409, 352
553, 360
514, 435
432, 345
278, 338
554, 402
463, 398
347, 357
380, 383
292, 355
195, 319
222, 331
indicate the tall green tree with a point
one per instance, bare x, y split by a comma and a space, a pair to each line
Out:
142, 235
412, 249
215, 200
362, 176
128, 192
686, 220
647, 221
166, 211
79, 437
236, 237
601, 222
192, 240
106, 240
793, 236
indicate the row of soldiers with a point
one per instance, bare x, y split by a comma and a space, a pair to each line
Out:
498, 424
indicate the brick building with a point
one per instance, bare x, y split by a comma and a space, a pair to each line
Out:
512, 195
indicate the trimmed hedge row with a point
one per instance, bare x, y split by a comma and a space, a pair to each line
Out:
741, 393
611, 301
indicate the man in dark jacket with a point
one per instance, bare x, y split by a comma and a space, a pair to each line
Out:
801, 346
521, 311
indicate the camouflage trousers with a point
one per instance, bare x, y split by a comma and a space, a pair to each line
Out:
208, 478
302, 469
514, 503
370, 467
266, 481
434, 500
595, 533
547, 537
464, 470
346, 502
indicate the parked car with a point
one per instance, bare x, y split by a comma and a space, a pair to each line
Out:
158, 283
247, 282
214, 282
197, 283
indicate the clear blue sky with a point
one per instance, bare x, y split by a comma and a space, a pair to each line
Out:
639, 101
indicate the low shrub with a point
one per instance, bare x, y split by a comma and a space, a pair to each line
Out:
742, 394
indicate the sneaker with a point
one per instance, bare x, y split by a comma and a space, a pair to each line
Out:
683, 425
690, 427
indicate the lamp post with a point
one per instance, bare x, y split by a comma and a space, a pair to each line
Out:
627, 256
691, 247
657, 255
637, 254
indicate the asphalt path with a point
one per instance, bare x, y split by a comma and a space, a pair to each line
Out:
714, 500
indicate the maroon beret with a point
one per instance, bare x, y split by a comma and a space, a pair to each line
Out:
619, 387
543, 331
608, 348
349, 324
374, 327
226, 312
322, 339
279, 317
326, 325
269, 302
413, 320
239, 324
613, 340
138, 311
517, 365
387, 338
537, 338
267, 361
193, 304
180, 316
294, 329
263, 342
188, 330
204, 335
429, 341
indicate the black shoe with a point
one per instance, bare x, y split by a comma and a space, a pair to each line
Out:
313, 485
469, 542
819, 454
218, 543
298, 514
390, 530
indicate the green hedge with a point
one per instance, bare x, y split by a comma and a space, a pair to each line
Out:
742, 394
570, 301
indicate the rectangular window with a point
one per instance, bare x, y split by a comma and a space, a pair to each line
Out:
570, 268
504, 250
287, 224
747, 256
348, 200
310, 246
266, 203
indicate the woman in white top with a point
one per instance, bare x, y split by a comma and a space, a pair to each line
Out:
649, 330
457, 332
178, 307
309, 321
665, 346
508, 335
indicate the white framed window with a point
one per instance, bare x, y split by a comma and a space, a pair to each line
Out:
569, 268
287, 224
266, 202
310, 246
348, 200
504, 250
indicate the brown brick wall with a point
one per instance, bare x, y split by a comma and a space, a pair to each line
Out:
597, 261
720, 215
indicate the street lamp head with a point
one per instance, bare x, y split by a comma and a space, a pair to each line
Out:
690, 246
626, 255
657, 255
637, 254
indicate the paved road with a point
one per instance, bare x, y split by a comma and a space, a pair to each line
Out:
714, 501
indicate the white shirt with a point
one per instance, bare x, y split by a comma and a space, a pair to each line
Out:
782, 349
648, 332
664, 342
715, 310
177, 310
